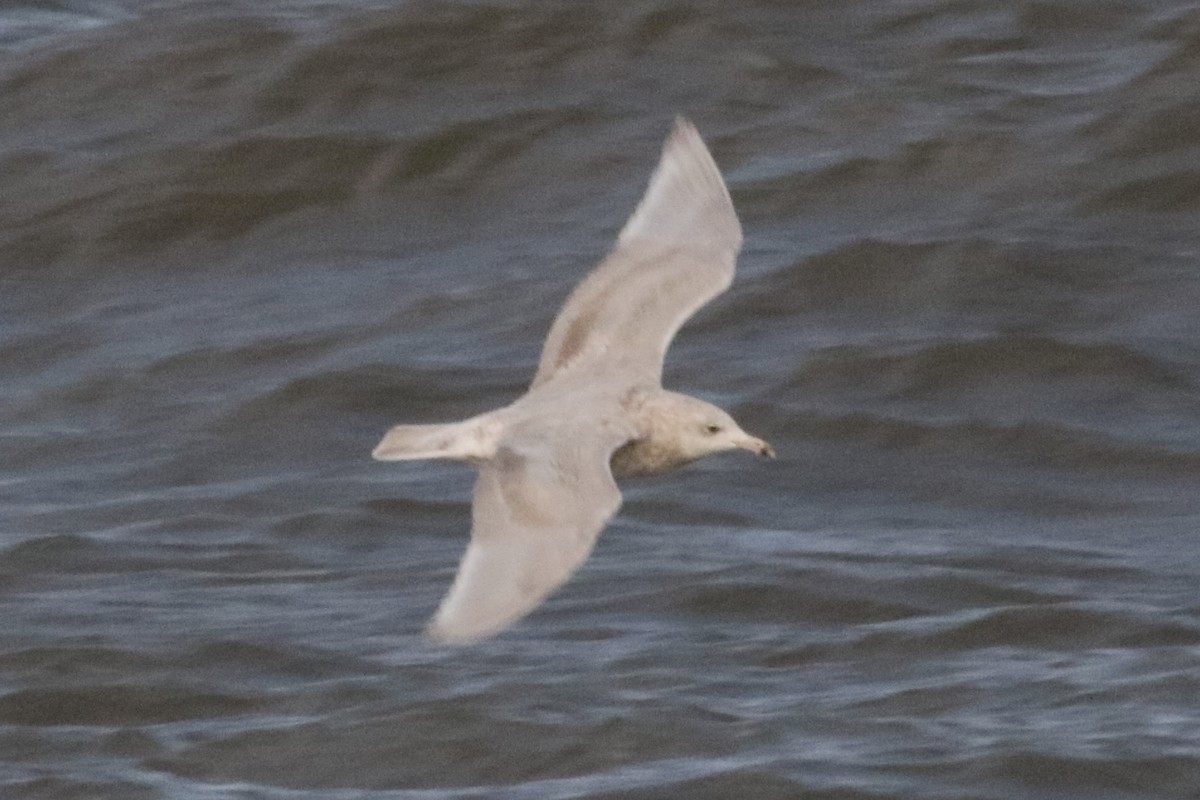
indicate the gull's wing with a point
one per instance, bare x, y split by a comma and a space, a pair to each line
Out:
675, 254
538, 509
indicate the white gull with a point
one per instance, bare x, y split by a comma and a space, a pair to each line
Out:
596, 408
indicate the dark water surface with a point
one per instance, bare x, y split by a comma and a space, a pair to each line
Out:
239, 239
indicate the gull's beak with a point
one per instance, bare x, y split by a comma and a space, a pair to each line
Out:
757, 446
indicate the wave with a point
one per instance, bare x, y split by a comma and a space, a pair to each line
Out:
118, 704
942, 369
1031, 443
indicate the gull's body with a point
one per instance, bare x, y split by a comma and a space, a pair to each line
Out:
596, 408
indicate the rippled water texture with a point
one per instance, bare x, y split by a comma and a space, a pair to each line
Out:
239, 239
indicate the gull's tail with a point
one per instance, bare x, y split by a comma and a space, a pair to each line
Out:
470, 440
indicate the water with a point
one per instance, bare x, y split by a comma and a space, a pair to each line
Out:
238, 240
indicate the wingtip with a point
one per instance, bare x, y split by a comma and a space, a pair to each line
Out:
437, 635
458, 625
686, 202
683, 128
685, 139
438, 632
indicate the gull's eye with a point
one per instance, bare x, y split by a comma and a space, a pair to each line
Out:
713, 428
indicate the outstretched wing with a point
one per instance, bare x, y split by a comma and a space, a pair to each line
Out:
538, 509
675, 253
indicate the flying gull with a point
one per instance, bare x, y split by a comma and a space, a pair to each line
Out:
596, 409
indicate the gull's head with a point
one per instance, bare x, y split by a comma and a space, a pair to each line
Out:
706, 429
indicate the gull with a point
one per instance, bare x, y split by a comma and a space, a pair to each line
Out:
596, 409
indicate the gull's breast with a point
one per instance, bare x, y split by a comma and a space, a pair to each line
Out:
649, 456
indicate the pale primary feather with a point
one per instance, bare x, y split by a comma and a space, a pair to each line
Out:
538, 508
676, 253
